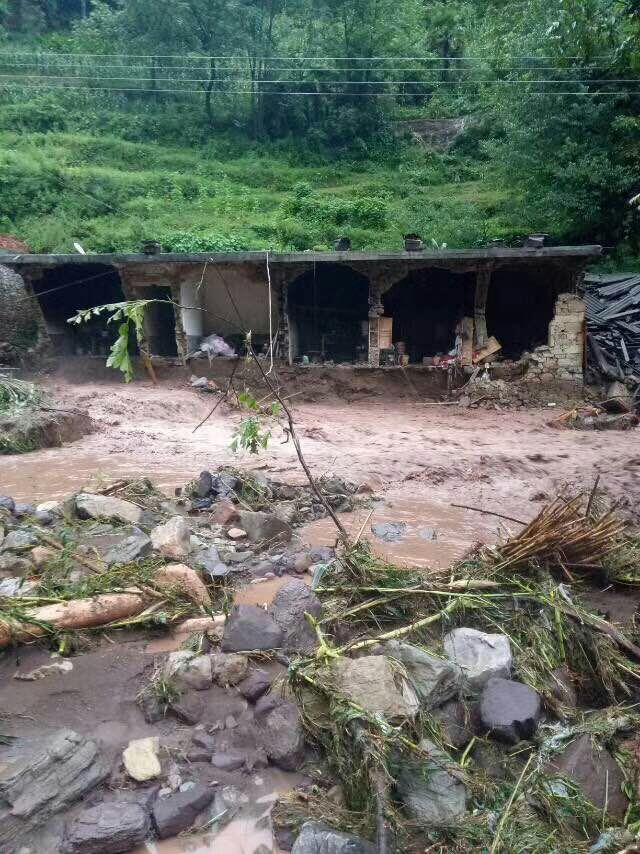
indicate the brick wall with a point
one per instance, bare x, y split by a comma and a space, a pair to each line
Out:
562, 358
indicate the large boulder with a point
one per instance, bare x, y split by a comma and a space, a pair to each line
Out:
430, 792
280, 731
172, 539
42, 777
265, 527
291, 602
509, 710
480, 655
250, 628
121, 545
176, 813
107, 507
595, 772
316, 838
109, 828
435, 679
373, 683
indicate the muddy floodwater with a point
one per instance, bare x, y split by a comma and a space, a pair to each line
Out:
508, 461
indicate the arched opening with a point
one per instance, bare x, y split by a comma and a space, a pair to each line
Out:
425, 308
63, 290
328, 315
520, 306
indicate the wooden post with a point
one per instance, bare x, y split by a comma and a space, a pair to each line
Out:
483, 279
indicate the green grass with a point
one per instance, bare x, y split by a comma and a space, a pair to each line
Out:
110, 193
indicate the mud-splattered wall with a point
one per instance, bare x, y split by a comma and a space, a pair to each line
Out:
21, 323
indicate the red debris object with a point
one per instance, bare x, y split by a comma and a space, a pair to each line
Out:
12, 244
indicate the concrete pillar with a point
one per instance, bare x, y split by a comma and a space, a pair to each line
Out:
376, 310
191, 314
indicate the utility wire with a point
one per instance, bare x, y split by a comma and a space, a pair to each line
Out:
314, 93
311, 58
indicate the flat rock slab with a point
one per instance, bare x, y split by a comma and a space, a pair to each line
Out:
509, 710
480, 655
107, 507
373, 683
596, 772
250, 628
291, 602
176, 813
430, 793
316, 838
108, 828
120, 546
42, 778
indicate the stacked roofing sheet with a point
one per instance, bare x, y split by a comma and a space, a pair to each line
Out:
613, 323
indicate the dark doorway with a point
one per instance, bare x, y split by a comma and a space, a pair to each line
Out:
328, 311
426, 307
160, 322
520, 306
64, 290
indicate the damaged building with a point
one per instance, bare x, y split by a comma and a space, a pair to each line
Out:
424, 309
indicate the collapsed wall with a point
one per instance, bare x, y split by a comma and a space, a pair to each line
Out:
563, 357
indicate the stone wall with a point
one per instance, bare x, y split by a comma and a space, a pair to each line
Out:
21, 322
563, 356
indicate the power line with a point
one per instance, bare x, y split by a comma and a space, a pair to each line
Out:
346, 82
422, 57
287, 93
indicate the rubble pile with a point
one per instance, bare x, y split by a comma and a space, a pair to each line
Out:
613, 324
487, 707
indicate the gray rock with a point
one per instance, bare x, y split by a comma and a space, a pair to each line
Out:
44, 517
480, 656
457, 723
121, 545
281, 732
22, 510
250, 628
204, 485
224, 485
431, 794
291, 602
173, 538
596, 773
316, 838
188, 708
509, 710
107, 507
435, 679
373, 683
229, 668
190, 670
230, 760
16, 587
204, 741
176, 813
389, 532
206, 558
264, 527
7, 503
255, 685
44, 777
19, 541
13, 565
108, 828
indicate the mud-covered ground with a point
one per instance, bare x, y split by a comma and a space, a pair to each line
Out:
505, 460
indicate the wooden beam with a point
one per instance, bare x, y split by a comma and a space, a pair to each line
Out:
483, 279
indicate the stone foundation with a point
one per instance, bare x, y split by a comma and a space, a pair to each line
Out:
22, 325
562, 358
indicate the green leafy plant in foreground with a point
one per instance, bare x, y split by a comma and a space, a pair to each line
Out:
130, 316
251, 435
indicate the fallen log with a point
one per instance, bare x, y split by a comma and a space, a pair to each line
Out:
74, 614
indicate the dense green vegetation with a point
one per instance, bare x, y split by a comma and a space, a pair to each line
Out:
201, 131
